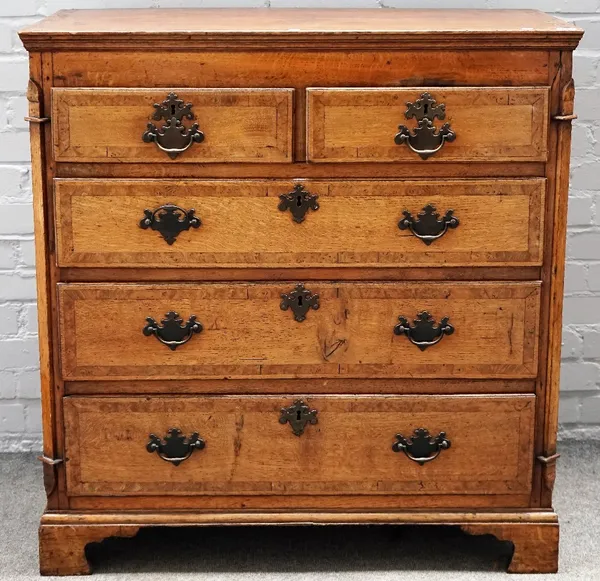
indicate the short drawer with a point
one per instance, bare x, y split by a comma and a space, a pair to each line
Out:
157, 125
299, 445
166, 223
409, 124
284, 329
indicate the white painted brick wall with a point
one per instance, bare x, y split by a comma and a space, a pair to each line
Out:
19, 382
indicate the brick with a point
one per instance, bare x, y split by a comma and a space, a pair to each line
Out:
54, 5
7, 255
14, 146
12, 417
27, 251
324, 4
595, 144
31, 319
587, 104
580, 211
585, 69
569, 410
212, 3
563, 6
586, 176
428, 4
3, 115
581, 310
20, 8
581, 144
14, 75
6, 38
16, 219
33, 417
575, 278
572, 344
9, 324
28, 385
591, 38
590, 410
579, 376
8, 385
591, 344
16, 286
18, 109
597, 209
593, 277
19, 353
584, 246
11, 181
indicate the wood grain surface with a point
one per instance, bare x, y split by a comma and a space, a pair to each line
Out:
349, 450
356, 224
491, 124
246, 334
104, 125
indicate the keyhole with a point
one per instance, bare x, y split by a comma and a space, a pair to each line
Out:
298, 201
299, 301
173, 110
425, 108
298, 415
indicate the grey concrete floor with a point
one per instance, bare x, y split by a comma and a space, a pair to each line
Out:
302, 553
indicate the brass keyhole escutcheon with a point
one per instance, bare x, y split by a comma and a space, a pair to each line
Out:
299, 201
298, 415
300, 300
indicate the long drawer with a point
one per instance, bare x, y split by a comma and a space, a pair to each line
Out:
463, 330
165, 223
436, 124
157, 125
299, 445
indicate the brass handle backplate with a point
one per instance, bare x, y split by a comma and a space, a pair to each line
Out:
428, 226
425, 139
175, 448
169, 221
422, 447
173, 137
424, 332
171, 331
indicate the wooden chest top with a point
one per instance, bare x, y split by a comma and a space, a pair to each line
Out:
301, 28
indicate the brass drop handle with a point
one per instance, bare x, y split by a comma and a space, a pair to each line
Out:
425, 139
422, 447
175, 448
173, 137
169, 221
171, 331
424, 332
428, 226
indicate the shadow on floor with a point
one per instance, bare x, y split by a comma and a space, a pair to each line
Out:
300, 549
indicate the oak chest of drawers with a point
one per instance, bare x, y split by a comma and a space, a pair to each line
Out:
300, 267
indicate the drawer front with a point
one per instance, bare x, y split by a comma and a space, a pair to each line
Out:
123, 125
114, 331
484, 124
147, 223
246, 445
